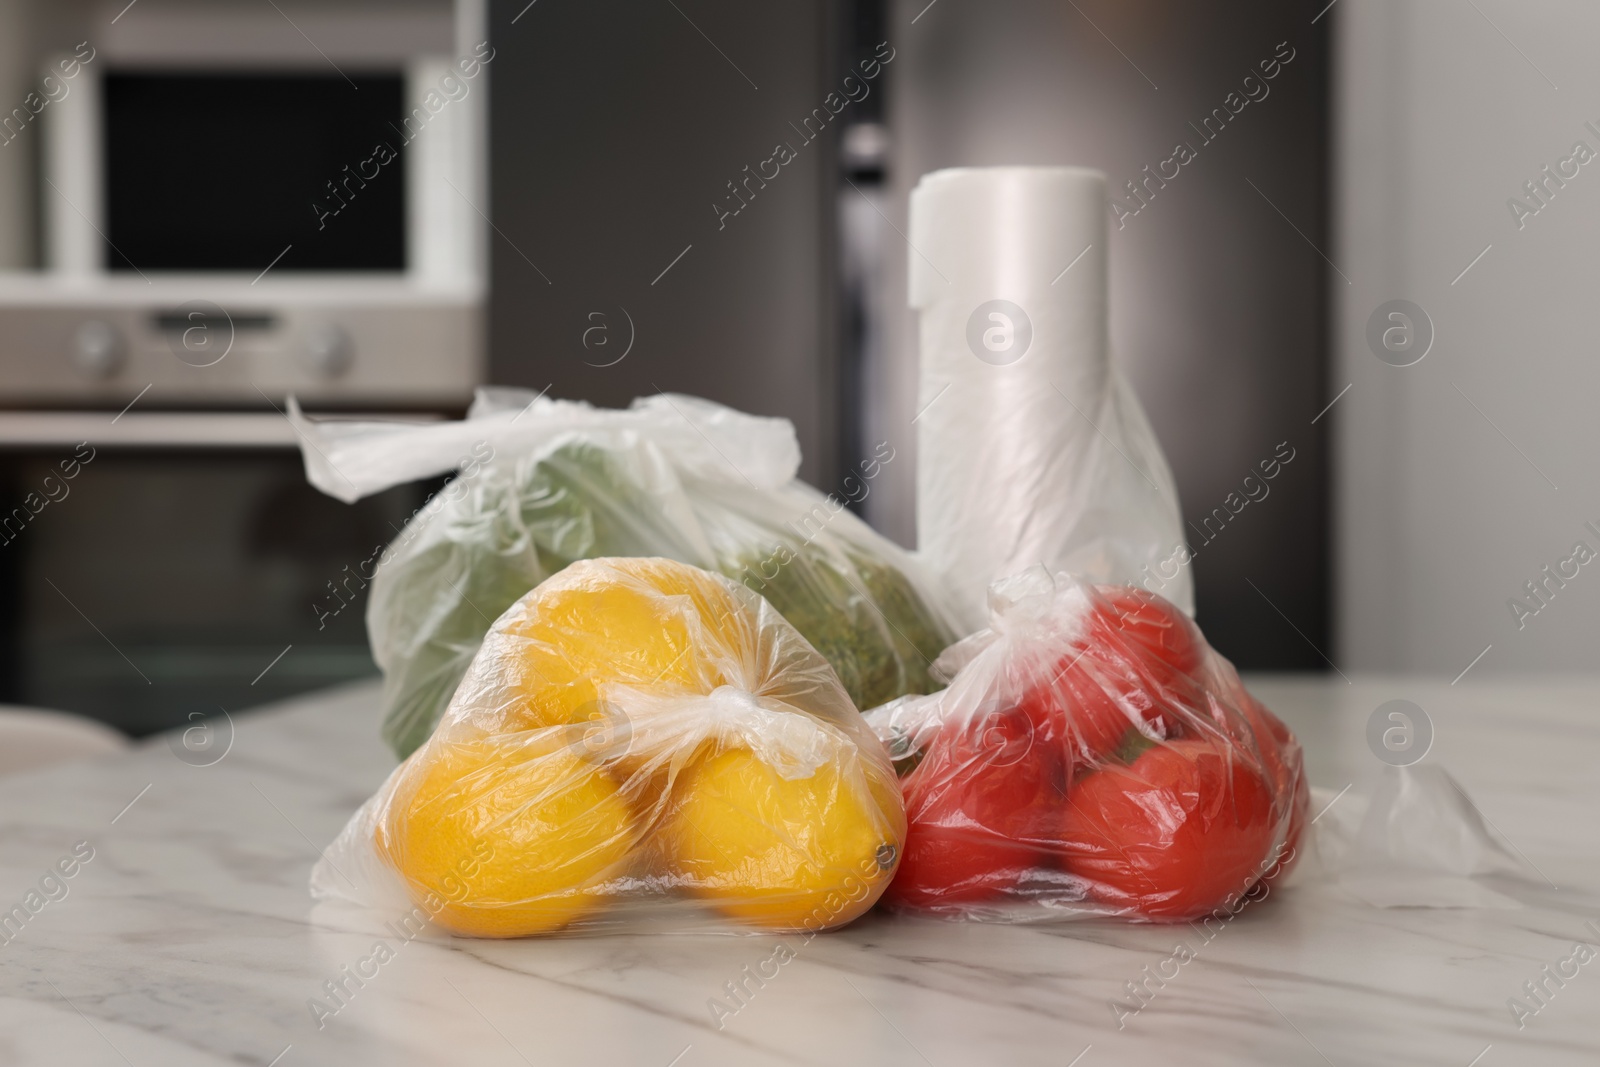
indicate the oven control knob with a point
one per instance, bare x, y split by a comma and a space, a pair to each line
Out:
97, 349
329, 352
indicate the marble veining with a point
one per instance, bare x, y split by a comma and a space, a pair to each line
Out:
189, 937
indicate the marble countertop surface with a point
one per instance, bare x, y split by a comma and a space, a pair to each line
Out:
184, 934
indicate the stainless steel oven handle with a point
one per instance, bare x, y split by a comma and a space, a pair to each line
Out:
135, 429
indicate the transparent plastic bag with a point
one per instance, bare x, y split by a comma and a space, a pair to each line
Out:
1091, 756
1413, 838
546, 482
1041, 452
637, 742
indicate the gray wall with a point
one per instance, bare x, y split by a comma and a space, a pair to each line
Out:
615, 128
1464, 475
1217, 303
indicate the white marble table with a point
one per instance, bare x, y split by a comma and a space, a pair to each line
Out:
188, 937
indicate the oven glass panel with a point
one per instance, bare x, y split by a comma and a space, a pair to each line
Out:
156, 586
211, 171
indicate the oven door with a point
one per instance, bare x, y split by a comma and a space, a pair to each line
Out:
171, 566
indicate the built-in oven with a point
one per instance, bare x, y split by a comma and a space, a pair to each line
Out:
205, 209
169, 568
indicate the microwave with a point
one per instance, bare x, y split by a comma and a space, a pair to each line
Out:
239, 202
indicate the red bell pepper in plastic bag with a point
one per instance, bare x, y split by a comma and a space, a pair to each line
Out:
1092, 755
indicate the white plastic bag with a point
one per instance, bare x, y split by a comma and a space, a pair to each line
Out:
546, 482
1031, 446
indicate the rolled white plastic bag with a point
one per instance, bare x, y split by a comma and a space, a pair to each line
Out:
1032, 448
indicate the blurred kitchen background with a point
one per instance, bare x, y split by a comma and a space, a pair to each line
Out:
197, 222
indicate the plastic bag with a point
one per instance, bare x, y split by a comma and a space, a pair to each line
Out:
1091, 756
546, 482
1041, 453
636, 739
1417, 841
